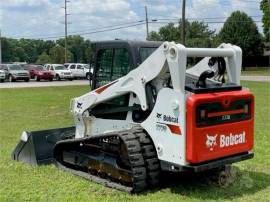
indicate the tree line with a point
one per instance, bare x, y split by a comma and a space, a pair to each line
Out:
46, 51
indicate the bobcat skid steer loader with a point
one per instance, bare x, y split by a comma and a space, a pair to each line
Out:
151, 114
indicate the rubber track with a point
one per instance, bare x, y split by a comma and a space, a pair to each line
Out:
142, 157
152, 164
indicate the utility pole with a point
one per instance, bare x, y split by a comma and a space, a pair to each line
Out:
0, 48
183, 22
146, 22
66, 29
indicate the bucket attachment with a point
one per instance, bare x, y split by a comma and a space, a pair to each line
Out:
36, 147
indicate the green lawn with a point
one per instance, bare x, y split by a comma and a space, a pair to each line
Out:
256, 71
40, 108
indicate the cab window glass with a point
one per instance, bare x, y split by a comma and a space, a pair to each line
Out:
104, 66
121, 63
145, 52
111, 65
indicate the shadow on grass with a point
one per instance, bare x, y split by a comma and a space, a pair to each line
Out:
197, 186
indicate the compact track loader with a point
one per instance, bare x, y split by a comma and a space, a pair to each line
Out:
149, 112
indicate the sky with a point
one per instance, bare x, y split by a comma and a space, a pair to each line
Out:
111, 19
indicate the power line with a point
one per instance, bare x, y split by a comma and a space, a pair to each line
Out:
85, 30
97, 29
103, 27
94, 32
160, 17
134, 22
134, 25
123, 27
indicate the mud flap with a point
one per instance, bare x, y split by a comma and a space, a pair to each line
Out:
36, 147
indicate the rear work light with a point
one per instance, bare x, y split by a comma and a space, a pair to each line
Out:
217, 113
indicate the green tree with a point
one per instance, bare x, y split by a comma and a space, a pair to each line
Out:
7, 49
198, 34
154, 36
78, 47
29, 47
29, 50
239, 29
20, 54
168, 32
265, 8
43, 58
44, 46
57, 54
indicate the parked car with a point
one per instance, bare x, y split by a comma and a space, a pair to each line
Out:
2, 76
38, 72
14, 72
80, 70
59, 71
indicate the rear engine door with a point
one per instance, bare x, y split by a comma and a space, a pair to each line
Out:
219, 124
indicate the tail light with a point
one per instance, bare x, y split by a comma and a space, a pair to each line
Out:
218, 113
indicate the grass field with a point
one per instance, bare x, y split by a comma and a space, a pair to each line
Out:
40, 108
255, 71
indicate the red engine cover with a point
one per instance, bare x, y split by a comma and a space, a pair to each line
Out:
217, 137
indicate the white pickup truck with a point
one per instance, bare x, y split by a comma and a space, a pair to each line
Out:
80, 70
59, 71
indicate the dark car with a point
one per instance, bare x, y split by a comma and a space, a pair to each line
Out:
38, 72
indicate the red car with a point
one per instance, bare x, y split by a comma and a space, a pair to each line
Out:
38, 72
